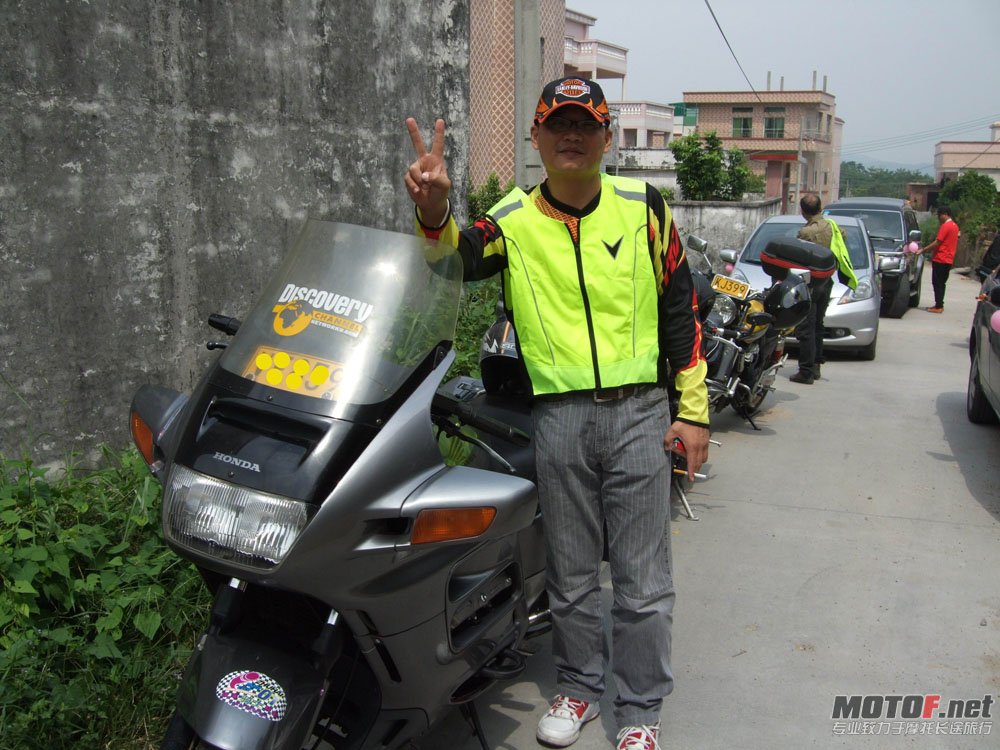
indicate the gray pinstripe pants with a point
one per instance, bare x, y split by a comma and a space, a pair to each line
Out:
604, 463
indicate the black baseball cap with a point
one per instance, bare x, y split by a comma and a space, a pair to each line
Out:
580, 92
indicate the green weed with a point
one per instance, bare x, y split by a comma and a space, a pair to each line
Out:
97, 615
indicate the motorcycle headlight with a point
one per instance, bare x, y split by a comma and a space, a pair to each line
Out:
228, 522
864, 291
724, 309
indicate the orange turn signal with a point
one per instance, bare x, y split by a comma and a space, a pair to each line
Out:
142, 436
446, 524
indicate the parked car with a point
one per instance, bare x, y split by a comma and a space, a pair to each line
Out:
892, 224
983, 399
851, 322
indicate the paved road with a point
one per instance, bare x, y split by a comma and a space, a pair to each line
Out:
851, 547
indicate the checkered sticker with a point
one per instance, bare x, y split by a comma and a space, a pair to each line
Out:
253, 693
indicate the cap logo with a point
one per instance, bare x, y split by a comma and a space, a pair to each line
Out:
573, 88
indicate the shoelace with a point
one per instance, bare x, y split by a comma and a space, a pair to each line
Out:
639, 738
567, 708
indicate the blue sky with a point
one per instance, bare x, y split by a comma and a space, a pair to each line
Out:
906, 73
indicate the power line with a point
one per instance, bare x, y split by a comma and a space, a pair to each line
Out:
942, 130
719, 26
992, 143
909, 139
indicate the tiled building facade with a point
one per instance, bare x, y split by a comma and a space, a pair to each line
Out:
954, 158
792, 138
493, 140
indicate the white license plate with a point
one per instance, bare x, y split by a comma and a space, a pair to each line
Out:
729, 286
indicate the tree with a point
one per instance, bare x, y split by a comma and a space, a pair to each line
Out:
975, 204
706, 171
483, 198
857, 180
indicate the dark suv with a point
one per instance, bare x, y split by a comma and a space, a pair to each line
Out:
891, 225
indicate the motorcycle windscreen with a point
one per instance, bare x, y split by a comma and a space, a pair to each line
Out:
348, 316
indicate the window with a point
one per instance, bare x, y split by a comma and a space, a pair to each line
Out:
742, 127
776, 110
774, 127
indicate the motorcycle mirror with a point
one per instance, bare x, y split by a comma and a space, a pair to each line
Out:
728, 255
696, 243
802, 273
914, 235
760, 319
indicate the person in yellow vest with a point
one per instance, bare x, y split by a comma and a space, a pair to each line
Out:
597, 286
823, 231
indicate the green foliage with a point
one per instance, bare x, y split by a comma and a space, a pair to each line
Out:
97, 615
486, 196
477, 311
756, 183
928, 230
975, 206
737, 177
857, 181
475, 315
707, 172
668, 195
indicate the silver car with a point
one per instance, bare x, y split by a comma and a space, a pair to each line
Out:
851, 321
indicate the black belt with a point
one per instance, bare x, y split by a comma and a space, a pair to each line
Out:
614, 394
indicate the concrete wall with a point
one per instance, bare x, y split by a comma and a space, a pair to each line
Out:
158, 156
722, 224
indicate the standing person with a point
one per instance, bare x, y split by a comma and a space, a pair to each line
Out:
597, 286
822, 231
942, 256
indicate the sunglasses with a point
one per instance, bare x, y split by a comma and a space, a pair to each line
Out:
564, 125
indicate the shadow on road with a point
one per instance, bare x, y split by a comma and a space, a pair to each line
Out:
980, 469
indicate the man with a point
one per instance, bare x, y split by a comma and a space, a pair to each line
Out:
823, 231
942, 255
598, 288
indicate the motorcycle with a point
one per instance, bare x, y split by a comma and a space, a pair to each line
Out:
744, 330
364, 585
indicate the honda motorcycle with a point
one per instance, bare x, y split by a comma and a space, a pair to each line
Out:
744, 330
363, 584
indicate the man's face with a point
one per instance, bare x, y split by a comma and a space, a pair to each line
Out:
565, 148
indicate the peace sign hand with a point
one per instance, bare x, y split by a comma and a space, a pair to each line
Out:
427, 180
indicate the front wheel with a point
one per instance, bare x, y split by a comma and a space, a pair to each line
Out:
977, 407
915, 293
179, 736
867, 353
901, 302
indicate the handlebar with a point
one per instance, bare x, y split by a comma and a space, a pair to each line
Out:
446, 405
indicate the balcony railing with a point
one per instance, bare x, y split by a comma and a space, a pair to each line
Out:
607, 60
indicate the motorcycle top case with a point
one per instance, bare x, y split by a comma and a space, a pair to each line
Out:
780, 256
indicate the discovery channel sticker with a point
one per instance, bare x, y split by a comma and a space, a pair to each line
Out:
253, 693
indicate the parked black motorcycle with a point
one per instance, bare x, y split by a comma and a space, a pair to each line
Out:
363, 586
744, 330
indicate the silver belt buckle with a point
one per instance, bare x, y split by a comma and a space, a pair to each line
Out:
619, 393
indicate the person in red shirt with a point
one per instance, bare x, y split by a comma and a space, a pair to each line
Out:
943, 256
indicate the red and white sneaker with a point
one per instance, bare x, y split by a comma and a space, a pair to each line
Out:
639, 738
563, 721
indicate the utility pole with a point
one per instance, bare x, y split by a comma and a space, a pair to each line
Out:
527, 84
